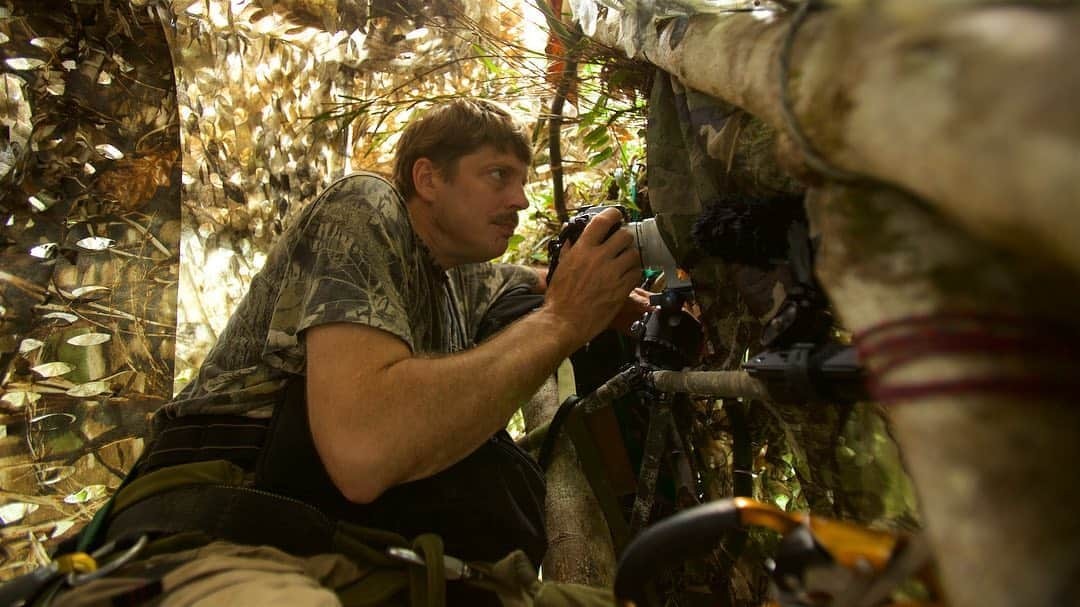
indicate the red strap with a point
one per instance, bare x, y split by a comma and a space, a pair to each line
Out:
895, 343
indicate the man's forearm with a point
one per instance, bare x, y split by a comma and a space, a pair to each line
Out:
470, 395
414, 416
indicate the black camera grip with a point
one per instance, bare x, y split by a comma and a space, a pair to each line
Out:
573, 229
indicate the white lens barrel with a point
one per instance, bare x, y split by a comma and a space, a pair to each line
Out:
654, 252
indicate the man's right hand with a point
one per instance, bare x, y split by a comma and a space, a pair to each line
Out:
596, 274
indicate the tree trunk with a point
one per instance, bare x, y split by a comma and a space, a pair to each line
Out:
951, 105
978, 357
987, 463
580, 548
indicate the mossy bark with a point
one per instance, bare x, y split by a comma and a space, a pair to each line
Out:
949, 104
580, 548
987, 466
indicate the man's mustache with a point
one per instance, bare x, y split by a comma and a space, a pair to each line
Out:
509, 218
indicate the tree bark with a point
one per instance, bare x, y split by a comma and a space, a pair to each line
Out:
987, 465
950, 105
580, 548
979, 123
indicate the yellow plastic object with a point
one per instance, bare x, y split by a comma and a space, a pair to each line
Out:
849, 544
76, 562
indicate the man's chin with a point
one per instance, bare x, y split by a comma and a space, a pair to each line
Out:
499, 247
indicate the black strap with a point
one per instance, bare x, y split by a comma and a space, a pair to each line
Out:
235, 514
483, 506
555, 428
196, 438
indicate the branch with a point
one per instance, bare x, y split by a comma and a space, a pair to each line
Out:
558, 193
953, 107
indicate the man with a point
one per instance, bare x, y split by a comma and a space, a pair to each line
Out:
348, 381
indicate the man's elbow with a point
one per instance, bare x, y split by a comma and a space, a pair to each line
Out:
362, 492
360, 486
360, 482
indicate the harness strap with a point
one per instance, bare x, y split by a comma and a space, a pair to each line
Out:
248, 516
236, 514
196, 438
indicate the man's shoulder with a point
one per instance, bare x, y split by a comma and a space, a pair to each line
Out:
365, 190
363, 181
357, 202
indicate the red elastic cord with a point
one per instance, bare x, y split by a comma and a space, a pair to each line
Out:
899, 342
997, 321
897, 351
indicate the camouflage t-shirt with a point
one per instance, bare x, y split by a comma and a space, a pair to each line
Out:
351, 256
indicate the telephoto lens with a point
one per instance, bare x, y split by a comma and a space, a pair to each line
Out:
655, 253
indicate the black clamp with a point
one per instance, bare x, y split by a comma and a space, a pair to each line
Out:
809, 372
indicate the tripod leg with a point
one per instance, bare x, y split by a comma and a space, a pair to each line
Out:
660, 420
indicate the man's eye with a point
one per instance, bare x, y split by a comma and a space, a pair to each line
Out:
499, 174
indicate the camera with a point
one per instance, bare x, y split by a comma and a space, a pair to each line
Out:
654, 252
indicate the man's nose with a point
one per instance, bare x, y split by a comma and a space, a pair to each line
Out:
518, 200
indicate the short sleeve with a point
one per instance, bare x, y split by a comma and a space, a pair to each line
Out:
480, 284
350, 263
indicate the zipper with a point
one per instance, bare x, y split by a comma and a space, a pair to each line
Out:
326, 519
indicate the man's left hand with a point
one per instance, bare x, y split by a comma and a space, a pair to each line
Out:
635, 306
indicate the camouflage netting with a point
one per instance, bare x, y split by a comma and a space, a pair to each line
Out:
833, 460
274, 106
90, 230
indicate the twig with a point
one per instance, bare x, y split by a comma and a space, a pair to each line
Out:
569, 73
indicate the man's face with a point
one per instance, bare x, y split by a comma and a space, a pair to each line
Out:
475, 210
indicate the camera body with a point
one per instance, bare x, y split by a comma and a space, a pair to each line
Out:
654, 252
573, 229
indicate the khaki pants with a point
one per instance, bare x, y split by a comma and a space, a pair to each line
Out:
221, 574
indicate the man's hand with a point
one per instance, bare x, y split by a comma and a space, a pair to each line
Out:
596, 273
634, 307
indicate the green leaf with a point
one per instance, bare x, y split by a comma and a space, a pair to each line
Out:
557, 27
514, 242
53, 369
86, 494
594, 113
597, 137
15, 511
89, 339
93, 388
29, 345
20, 398
601, 156
485, 58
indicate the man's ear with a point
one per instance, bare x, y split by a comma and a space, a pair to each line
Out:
425, 177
